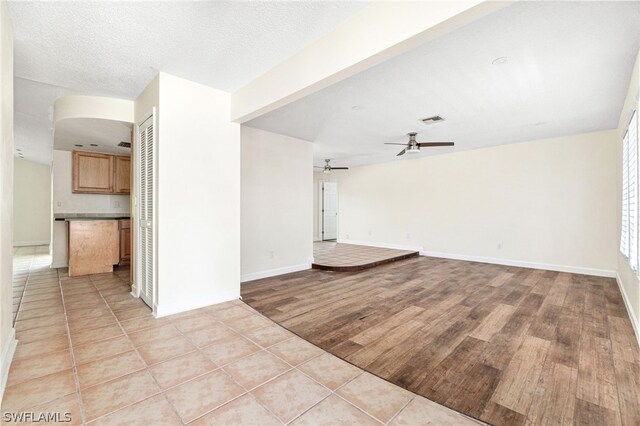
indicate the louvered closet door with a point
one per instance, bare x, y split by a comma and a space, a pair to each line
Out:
146, 211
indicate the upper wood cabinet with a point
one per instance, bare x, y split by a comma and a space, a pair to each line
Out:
122, 175
92, 172
97, 173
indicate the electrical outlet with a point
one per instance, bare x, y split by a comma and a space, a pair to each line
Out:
58, 203
271, 254
347, 236
499, 246
115, 204
408, 236
370, 232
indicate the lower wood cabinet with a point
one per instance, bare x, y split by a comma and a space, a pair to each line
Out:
125, 241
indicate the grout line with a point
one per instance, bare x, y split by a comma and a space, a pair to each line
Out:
146, 366
71, 352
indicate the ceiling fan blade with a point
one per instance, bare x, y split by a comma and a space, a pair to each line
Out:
339, 168
401, 152
427, 144
393, 143
319, 167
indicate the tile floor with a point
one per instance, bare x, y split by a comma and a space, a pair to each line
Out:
336, 256
87, 348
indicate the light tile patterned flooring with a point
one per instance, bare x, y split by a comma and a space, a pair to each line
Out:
86, 347
329, 253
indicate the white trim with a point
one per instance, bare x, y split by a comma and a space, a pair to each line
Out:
381, 245
7, 356
162, 310
524, 264
273, 272
632, 316
32, 243
59, 265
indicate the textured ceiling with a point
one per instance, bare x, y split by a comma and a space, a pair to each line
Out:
114, 48
568, 72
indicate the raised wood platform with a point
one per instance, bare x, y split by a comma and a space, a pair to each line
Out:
331, 256
502, 344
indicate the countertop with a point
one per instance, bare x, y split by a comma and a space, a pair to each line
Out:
90, 216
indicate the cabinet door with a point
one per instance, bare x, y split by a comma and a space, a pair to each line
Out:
92, 172
123, 175
125, 246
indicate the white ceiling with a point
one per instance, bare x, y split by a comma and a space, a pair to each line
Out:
33, 128
107, 134
568, 72
114, 48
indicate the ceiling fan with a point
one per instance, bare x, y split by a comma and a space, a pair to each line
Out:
328, 167
413, 146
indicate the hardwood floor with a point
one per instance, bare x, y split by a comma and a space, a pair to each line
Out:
502, 344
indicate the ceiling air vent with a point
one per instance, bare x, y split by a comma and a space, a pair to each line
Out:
125, 144
432, 120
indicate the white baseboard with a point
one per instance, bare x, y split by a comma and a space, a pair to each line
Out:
7, 356
162, 310
31, 243
278, 271
381, 245
627, 304
524, 264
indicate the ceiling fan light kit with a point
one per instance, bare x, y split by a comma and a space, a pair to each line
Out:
327, 167
413, 147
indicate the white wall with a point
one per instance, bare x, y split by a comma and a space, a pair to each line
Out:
7, 332
198, 197
276, 204
627, 278
548, 203
31, 203
64, 201
93, 107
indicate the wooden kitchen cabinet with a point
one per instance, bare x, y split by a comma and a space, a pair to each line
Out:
97, 173
125, 241
93, 246
92, 173
122, 175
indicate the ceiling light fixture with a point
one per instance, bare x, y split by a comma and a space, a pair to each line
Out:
93, 144
501, 60
356, 107
413, 149
79, 146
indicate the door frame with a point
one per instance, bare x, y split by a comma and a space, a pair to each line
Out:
135, 211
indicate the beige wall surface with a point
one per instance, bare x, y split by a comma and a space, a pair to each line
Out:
628, 279
198, 197
547, 203
31, 203
276, 203
7, 332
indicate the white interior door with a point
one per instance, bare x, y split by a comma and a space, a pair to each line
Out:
329, 210
146, 240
